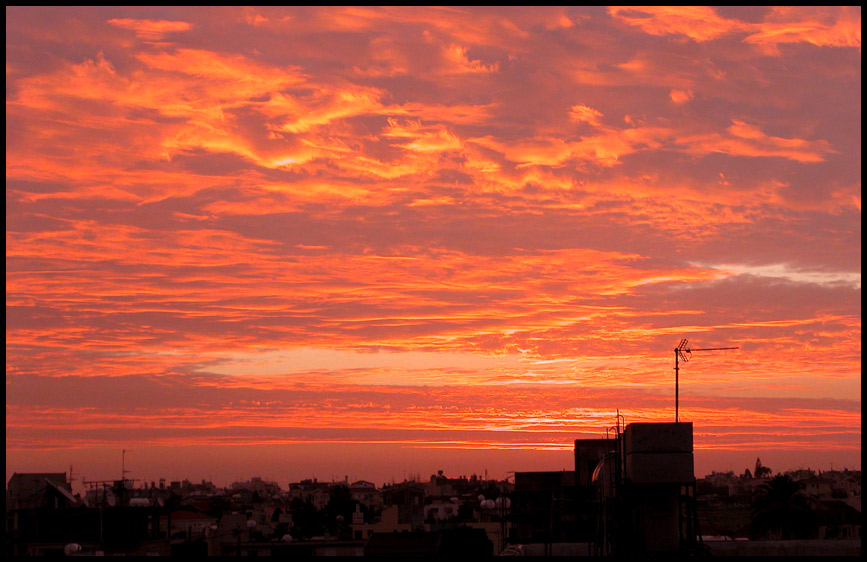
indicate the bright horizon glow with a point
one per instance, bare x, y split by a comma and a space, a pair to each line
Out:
368, 240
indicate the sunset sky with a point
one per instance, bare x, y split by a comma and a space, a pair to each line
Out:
375, 242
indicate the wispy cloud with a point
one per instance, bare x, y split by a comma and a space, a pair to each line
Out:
443, 227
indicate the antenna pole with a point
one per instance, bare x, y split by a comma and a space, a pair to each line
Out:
683, 351
676, 387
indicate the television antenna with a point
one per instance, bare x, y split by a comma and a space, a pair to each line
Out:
123, 470
684, 353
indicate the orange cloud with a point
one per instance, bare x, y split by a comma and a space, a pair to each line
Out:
700, 23
826, 26
749, 140
457, 55
837, 26
583, 113
151, 30
680, 96
422, 139
247, 77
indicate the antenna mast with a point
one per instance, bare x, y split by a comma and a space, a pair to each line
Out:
683, 352
123, 470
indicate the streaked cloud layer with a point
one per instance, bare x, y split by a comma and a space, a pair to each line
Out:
431, 227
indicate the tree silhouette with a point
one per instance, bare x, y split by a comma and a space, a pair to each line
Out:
781, 510
338, 512
762, 471
306, 520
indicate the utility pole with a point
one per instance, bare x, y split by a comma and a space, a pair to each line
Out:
683, 352
123, 470
123, 478
72, 476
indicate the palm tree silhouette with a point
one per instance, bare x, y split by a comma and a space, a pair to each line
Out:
781, 510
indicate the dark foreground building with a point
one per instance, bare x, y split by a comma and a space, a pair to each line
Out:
630, 494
